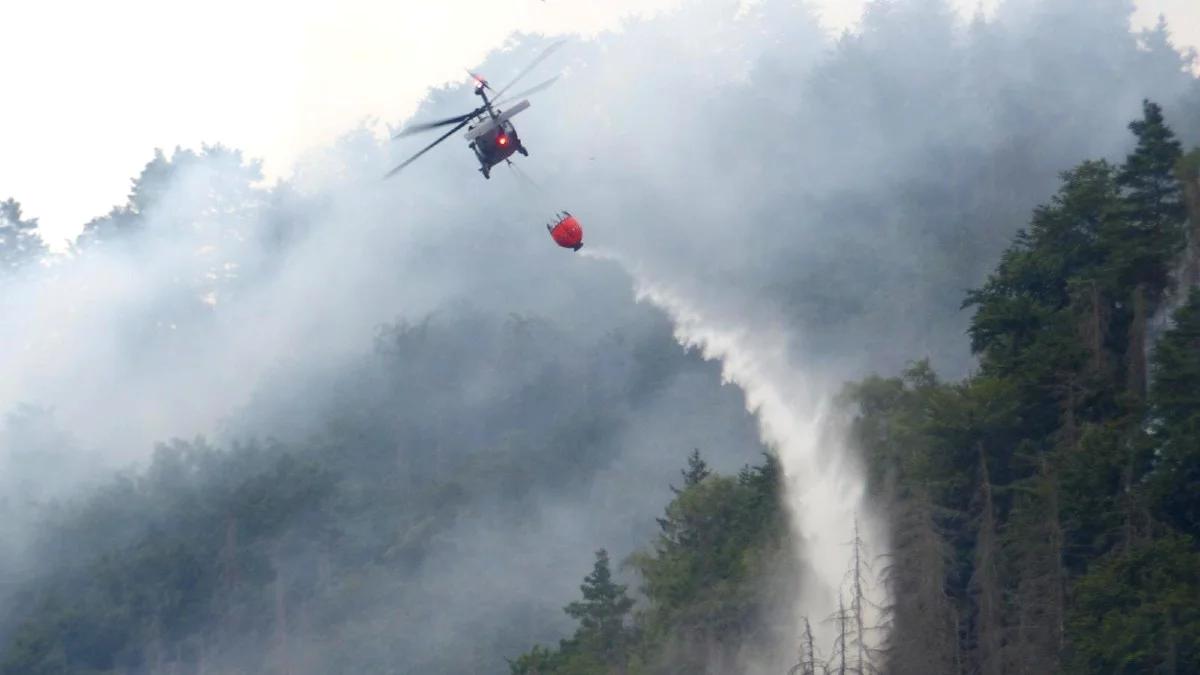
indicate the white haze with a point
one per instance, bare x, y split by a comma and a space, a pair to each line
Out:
280, 86
806, 212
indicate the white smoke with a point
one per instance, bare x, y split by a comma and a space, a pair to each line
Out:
825, 484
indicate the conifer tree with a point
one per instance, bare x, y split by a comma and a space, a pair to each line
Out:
20, 243
602, 613
1142, 248
695, 473
1153, 196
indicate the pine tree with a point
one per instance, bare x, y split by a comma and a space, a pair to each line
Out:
1153, 196
602, 613
1142, 248
20, 243
695, 473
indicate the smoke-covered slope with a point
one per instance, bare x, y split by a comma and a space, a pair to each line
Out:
449, 484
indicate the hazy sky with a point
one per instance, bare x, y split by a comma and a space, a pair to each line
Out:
93, 88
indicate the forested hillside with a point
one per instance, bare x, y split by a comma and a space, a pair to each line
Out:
1045, 511
408, 421
315, 553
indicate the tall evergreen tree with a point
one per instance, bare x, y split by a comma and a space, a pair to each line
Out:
20, 243
1153, 195
602, 613
697, 470
1142, 248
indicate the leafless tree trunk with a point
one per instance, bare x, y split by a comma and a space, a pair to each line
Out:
1136, 352
1094, 327
986, 581
808, 664
843, 622
1040, 576
858, 582
839, 659
923, 620
1057, 540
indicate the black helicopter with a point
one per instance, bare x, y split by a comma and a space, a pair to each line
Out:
489, 129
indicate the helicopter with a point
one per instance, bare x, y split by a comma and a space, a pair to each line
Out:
490, 131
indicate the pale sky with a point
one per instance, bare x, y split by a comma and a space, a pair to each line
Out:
92, 88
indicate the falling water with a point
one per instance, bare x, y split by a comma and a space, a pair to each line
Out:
825, 485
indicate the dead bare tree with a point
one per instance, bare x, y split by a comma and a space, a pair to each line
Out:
858, 580
986, 582
844, 622
1037, 549
809, 663
852, 652
922, 620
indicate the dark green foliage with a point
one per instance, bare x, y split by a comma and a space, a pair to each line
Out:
702, 581
695, 473
1152, 194
1051, 502
1137, 611
705, 534
602, 642
601, 615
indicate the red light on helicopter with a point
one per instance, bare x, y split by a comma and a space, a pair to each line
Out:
502, 140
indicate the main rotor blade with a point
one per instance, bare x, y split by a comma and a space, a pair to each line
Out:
541, 57
426, 126
427, 148
532, 90
479, 79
